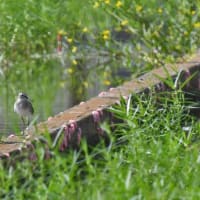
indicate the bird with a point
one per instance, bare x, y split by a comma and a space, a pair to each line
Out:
23, 107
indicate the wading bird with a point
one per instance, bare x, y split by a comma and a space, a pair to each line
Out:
24, 108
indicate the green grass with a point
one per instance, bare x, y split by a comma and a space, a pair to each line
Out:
150, 157
160, 32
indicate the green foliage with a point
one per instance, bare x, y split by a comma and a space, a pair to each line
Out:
162, 30
150, 156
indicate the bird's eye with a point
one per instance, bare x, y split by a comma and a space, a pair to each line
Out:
23, 95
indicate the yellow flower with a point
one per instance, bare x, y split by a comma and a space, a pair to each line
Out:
70, 70
96, 5
106, 34
105, 37
61, 32
85, 30
197, 25
74, 49
69, 40
74, 62
118, 4
138, 8
193, 12
107, 1
85, 83
124, 22
107, 82
160, 10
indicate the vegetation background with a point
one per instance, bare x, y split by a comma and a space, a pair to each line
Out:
150, 155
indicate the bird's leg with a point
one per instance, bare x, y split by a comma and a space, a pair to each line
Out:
24, 124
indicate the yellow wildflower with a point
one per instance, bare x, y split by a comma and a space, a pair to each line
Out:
85, 83
74, 62
96, 5
138, 8
85, 30
69, 40
118, 4
106, 34
74, 49
197, 25
70, 70
107, 1
124, 22
105, 37
61, 32
107, 82
193, 12
160, 10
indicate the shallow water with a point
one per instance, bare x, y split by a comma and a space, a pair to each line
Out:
10, 122
40, 77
